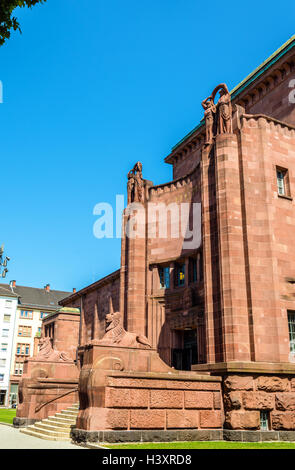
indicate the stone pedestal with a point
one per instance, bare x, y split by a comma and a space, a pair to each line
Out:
132, 389
45, 389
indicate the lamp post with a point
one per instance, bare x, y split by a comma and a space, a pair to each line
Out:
3, 262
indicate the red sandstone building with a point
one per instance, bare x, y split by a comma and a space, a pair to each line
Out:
222, 306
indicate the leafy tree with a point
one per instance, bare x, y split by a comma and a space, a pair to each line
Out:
7, 20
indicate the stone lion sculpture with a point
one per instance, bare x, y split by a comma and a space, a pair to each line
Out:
116, 334
47, 353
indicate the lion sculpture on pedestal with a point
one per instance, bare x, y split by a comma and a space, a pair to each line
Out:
116, 335
47, 353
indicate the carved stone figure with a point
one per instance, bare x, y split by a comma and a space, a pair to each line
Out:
116, 335
224, 125
47, 353
135, 186
210, 110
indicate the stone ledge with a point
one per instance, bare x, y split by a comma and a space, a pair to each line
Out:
177, 375
272, 368
258, 436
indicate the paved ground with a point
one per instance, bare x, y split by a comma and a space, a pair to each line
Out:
12, 438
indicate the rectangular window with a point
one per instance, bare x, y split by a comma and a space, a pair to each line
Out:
2, 362
24, 331
5, 332
283, 182
23, 349
18, 368
4, 347
193, 270
26, 314
43, 315
264, 420
180, 274
8, 303
164, 274
1, 377
291, 324
6, 318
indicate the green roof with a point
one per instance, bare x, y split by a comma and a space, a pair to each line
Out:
249, 79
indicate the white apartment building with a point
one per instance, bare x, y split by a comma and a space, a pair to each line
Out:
27, 306
8, 308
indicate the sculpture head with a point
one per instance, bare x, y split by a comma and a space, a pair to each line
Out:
113, 319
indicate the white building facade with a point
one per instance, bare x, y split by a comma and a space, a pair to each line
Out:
8, 308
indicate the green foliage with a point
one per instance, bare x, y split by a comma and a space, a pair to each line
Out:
7, 20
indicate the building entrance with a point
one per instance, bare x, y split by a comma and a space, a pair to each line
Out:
183, 358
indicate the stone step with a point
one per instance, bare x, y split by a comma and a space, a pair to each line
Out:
53, 427
59, 422
69, 412
56, 427
40, 435
64, 417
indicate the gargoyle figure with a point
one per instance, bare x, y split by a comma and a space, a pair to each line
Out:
116, 335
47, 353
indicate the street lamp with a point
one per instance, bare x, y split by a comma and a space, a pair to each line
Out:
3, 262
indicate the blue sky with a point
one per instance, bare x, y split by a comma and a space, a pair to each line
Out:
89, 89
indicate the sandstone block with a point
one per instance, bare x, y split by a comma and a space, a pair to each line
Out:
198, 400
242, 419
126, 398
272, 384
283, 420
258, 401
285, 401
166, 399
233, 400
210, 419
237, 382
182, 419
147, 419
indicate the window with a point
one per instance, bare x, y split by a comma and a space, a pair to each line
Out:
24, 330
283, 182
180, 274
2, 362
291, 324
26, 314
8, 303
18, 368
5, 332
6, 318
23, 349
193, 270
4, 347
164, 274
1, 377
264, 420
43, 315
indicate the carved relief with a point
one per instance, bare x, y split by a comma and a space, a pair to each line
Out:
135, 185
116, 335
47, 353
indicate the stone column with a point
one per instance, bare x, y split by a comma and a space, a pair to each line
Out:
232, 270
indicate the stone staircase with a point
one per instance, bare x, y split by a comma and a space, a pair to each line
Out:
54, 428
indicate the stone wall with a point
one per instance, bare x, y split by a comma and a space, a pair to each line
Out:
246, 395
